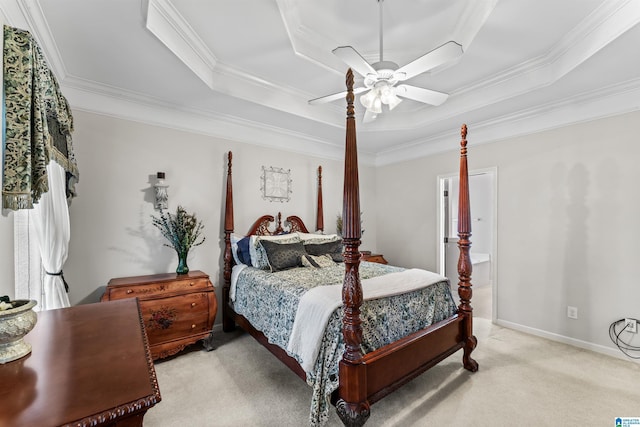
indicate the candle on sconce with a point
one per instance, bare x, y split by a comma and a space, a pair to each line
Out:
162, 196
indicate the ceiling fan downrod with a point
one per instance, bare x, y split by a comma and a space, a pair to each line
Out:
381, 46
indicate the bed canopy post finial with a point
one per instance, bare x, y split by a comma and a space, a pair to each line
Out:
352, 405
227, 321
464, 261
319, 213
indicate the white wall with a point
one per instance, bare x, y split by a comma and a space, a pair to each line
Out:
111, 231
567, 224
567, 213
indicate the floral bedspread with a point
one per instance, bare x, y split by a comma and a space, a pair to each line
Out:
270, 300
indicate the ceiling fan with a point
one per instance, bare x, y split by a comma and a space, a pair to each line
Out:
381, 78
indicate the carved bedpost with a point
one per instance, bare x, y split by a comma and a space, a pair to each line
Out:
227, 321
464, 261
352, 405
320, 214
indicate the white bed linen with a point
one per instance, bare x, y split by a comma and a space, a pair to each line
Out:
317, 305
235, 272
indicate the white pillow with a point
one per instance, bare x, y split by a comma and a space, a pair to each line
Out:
259, 256
317, 238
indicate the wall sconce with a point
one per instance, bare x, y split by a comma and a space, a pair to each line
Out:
162, 197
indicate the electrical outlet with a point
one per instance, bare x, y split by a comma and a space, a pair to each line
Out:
572, 312
631, 325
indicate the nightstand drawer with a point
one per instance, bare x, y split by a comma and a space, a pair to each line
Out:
151, 290
167, 319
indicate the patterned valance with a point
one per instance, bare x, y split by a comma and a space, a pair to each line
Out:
38, 123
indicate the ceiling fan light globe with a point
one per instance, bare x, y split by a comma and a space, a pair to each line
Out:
367, 99
386, 92
368, 116
377, 106
393, 102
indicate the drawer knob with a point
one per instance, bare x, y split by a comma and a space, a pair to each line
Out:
129, 291
193, 304
191, 284
193, 326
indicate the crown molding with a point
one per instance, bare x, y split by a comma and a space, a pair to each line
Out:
168, 26
608, 22
605, 102
126, 105
317, 47
37, 23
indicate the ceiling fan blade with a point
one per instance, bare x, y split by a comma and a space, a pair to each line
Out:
335, 96
354, 60
427, 96
438, 56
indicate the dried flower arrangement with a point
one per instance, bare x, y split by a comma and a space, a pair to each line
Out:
183, 231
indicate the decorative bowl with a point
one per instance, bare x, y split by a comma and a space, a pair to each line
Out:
15, 323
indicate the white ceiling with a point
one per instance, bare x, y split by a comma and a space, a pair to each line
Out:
245, 69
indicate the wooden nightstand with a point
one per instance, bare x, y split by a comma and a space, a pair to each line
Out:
178, 310
368, 256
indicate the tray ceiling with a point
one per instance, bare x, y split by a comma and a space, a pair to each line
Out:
245, 69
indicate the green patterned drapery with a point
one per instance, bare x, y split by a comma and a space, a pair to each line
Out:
38, 123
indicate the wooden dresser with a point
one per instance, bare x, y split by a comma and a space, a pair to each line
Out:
89, 365
178, 310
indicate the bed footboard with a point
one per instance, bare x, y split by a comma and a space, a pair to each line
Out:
395, 364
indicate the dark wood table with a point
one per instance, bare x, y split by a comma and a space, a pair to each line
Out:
90, 365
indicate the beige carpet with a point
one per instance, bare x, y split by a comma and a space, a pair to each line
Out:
523, 381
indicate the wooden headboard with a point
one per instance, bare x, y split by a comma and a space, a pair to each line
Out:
261, 226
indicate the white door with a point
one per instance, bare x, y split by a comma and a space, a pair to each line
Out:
482, 198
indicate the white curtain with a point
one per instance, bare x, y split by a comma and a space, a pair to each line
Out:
49, 221
28, 266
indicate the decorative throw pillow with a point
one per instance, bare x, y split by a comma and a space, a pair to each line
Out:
282, 256
320, 261
243, 251
240, 249
307, 261
334, 249
235, 238
258, 255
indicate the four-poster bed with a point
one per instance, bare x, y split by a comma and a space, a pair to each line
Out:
368, 367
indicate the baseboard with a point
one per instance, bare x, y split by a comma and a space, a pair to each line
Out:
566, 340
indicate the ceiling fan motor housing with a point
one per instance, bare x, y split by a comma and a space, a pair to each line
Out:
384, 72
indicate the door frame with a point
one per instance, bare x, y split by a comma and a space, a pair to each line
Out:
440, 250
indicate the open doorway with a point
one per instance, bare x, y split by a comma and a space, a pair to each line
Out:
483, 201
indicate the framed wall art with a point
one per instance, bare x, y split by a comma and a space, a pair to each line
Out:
275, 184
